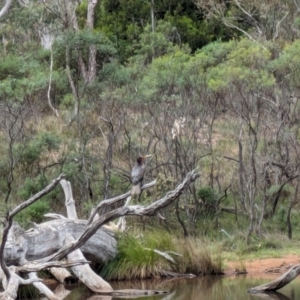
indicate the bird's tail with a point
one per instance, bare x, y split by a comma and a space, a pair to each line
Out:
136, 189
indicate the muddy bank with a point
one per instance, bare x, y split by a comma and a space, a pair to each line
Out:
262, 266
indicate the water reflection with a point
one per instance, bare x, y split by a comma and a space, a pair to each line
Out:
215, 288
208, 288
272, 296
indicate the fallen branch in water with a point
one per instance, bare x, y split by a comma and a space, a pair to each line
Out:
278, 283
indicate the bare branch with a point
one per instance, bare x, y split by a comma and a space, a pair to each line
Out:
9, 220
249, 15
298, 7
103, 205
149, 210
231, 158
49, 86
5, 8
278, 283
35, 267
37, 196
231, 25
277, 26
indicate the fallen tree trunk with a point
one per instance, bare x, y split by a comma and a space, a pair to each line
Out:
278, 283
49, 237
44, 245
62, 275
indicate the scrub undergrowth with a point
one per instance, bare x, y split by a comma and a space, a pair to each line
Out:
159, 254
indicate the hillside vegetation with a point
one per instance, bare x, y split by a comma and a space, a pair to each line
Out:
85, 95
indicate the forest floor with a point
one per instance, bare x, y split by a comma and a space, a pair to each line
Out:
262, 265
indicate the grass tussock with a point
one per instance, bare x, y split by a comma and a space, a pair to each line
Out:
137, 259
198, 258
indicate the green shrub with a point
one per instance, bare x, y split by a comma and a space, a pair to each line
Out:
136, 258
207, 194
272, 244
28, 291
31, 186
33, 213
42, 143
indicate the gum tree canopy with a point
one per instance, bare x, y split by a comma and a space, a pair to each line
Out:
66, 242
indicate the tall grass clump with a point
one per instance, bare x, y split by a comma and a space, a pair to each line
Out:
198, 258
137, 259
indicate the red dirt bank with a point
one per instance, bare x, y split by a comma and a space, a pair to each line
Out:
263, 266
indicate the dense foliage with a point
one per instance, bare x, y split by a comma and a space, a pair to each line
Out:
87, 99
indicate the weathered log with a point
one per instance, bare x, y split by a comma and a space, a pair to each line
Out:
87, 276
48, 237
42, 287
14, 280
8, 221
49, 241
62, 275
11, 280
138, 210
11, 288
278, 283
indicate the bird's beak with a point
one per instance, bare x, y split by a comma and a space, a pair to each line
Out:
149, 155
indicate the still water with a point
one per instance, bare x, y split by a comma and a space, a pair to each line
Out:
201, 288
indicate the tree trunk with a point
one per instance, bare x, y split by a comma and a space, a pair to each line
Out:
48, 237
43, 246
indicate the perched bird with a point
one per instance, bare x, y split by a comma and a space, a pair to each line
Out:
137, 174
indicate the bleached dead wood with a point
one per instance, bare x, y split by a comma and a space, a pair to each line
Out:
121, 224
42, 287
61, 274
17, 244
11, 280
69, 200
48, 237
11, 287
87, 276
5, 8
177, 127
61, 292
16, 236
34, 267
47, 243
83, 272
278, 283
138, 210
107, 204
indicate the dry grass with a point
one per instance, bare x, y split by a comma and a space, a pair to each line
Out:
137, 260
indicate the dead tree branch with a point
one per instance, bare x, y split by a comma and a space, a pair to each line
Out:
138, 210
278, 283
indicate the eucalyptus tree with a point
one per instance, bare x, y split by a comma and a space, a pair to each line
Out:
257, 20
266, 156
